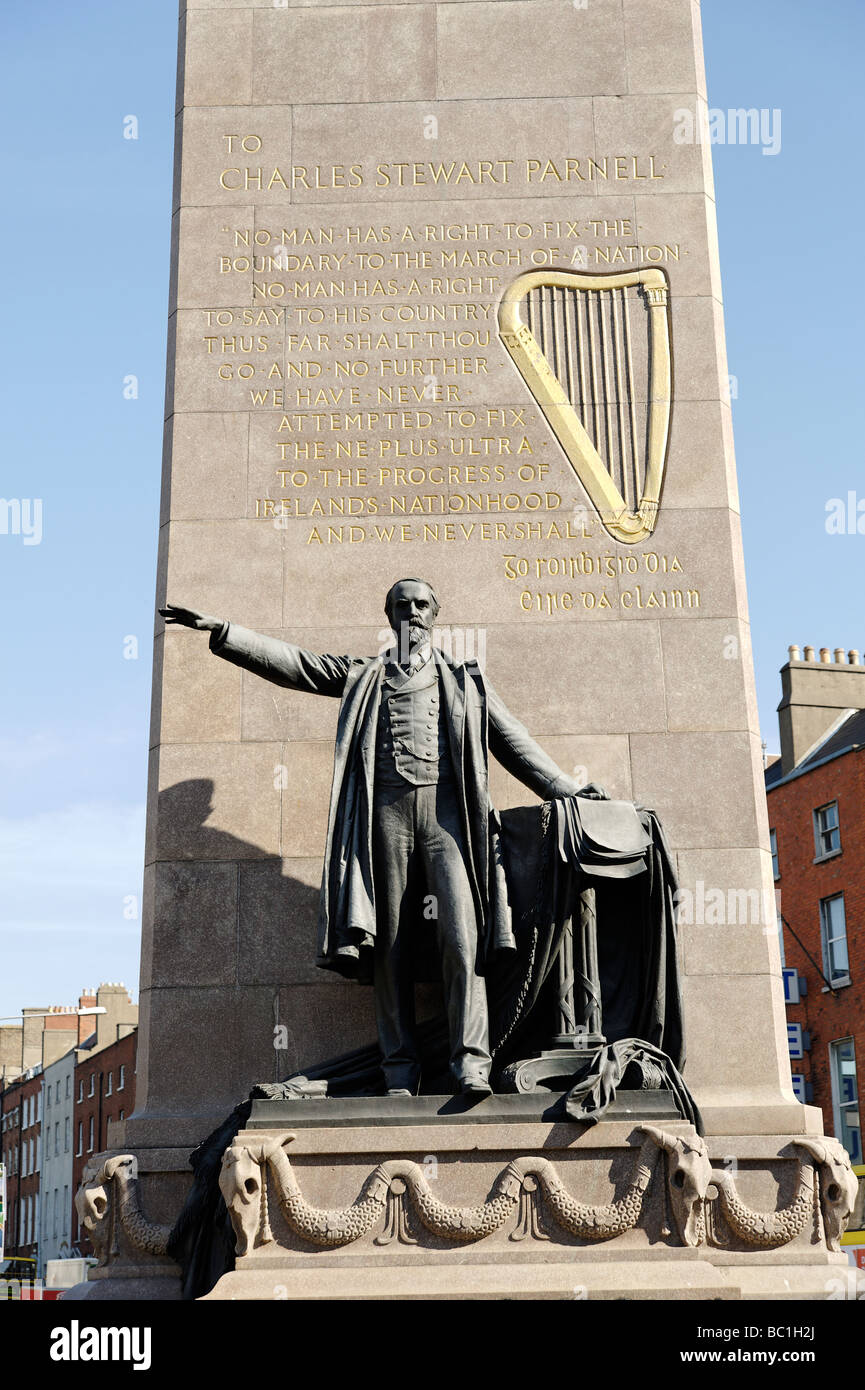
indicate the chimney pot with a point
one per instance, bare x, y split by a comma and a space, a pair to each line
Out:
809, 653
825, 654
793, 653
853, 657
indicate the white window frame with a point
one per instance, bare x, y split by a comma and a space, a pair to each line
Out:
838, 1105
820, 850
834, 979
109, 1087
773, 845
121, 1077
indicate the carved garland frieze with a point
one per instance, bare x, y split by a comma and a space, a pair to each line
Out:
704, 1204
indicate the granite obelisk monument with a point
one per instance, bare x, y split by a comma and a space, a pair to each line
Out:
446, 302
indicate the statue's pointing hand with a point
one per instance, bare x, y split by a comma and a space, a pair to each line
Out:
189, 617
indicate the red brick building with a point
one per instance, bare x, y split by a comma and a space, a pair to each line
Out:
104, 1091
816, 798
101, 1033
21, 1141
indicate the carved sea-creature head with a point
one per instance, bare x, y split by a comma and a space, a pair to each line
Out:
243, 1184
838, 1185
93, 1201
91, 1204
689, 1173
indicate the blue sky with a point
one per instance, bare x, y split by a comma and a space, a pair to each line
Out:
85, 288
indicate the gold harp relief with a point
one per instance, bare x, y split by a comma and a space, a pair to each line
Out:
594, 350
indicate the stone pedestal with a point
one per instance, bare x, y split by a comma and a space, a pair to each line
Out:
438, 1199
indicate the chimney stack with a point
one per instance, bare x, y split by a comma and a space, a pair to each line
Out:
814, 695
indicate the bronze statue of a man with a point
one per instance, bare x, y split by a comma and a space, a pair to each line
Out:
409, 809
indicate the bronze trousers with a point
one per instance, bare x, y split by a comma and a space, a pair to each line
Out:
419, 857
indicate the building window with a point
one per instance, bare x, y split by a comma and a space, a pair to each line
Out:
122, 1115
773, 842
846, 1097
57, 1139
80, 1089
55, 1206
48, 1096
109, 1086
90, 1140
92, 1090
57, 1092
836, 962
79, 1151
66, 1134
121, 1078
66, 1211
68, 1085
827, 833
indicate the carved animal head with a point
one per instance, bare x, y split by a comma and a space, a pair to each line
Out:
689, 1173
838, 1185
243, 1184
91, 1204
93, 1200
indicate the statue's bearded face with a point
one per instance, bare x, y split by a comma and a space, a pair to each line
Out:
411, 611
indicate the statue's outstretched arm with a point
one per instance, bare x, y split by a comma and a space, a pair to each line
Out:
513, 746
273, 660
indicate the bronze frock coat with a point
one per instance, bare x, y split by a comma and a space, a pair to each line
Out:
478, 724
